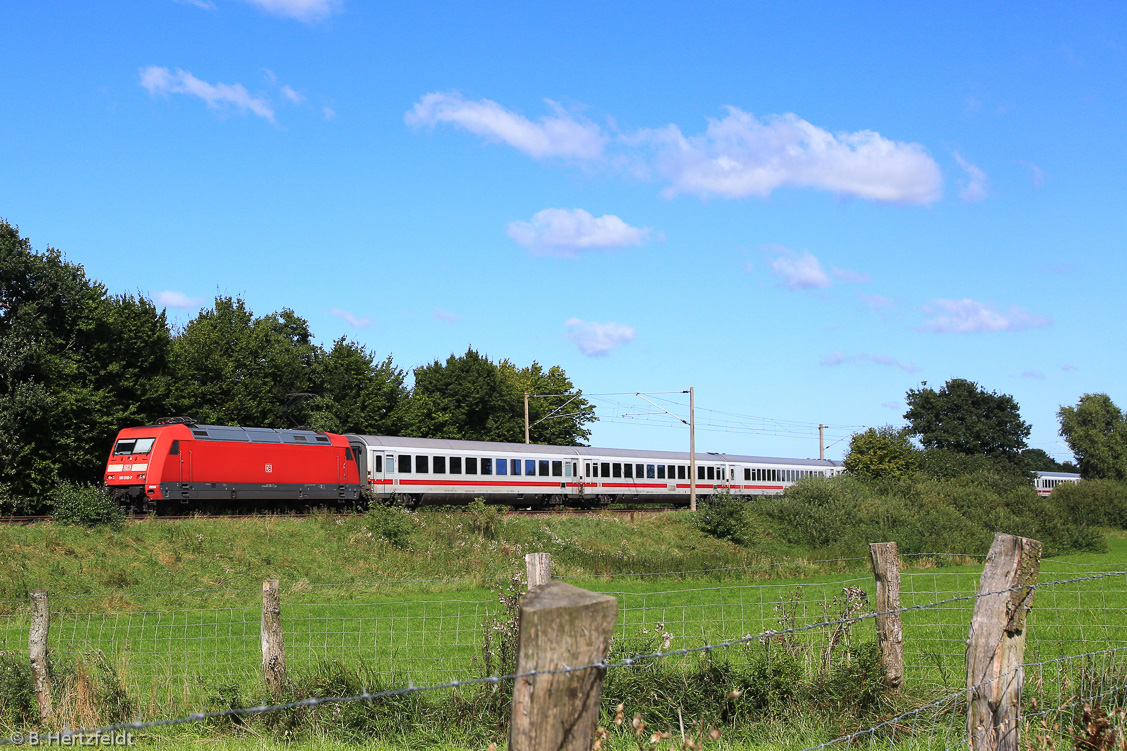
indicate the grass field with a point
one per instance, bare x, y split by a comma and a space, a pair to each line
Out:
419, 631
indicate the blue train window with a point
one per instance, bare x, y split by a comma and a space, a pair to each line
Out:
530, 467
651, 472
502, 466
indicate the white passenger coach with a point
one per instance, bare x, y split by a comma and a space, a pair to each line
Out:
434, 471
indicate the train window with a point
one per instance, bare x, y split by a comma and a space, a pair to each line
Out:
639, 471
347, 453
440, 465
616, 469
300, 438
661, 471
543, 467
628, 471
422, 464
404, 463
391, 465
530, 467
700, 472
569, 469
747, 474
471, 465
557, 469
587, 468
455, 465
515, 465
486, 466
174, 449
605, 469
711, 473
502, 466
379, 464
651, 472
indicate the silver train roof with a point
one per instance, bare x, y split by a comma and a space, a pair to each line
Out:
442, 444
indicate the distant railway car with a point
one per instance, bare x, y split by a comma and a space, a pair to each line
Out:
184, 466
432, 471
1044, 482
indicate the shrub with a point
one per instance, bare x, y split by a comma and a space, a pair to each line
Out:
85, 505
483, 517
390, 523
1096, 503
17, 693
725, 518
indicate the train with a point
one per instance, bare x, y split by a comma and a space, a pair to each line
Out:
178, 466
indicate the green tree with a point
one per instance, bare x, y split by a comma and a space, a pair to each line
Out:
882, 452
1038, 460
1096, 431
465, 398
75, 365
234, 369
354, 393
965, 418
558, 414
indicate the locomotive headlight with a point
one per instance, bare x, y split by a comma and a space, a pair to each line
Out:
140, 477
109, 477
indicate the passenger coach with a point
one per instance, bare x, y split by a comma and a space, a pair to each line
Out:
433, 471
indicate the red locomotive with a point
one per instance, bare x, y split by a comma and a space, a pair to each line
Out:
178, 464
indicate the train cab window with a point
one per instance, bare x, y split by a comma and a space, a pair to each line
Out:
174, 449
486, 466
651, 472
404, 463
422, 464
379, 464
557, 469
616, 469
628, 471
502, 466
440, 465
347, 453
530, 467
455, 465
543, 467
661, 471
133, 446
471, 465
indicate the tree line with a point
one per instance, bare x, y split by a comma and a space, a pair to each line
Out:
78, 363
963, 424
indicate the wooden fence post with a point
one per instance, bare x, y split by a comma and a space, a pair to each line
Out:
996, 644
37, 651
539, 567
890, 636
273, 645
560, 626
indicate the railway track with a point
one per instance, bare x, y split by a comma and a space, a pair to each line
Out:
522, 512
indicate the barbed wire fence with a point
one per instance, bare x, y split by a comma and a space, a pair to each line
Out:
165, 659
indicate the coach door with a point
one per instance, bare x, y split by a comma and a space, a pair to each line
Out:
360, 458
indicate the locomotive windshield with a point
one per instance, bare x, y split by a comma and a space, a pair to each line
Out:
133, 446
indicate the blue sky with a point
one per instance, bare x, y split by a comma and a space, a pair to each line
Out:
802, 210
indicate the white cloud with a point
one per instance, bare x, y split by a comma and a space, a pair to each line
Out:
1036, 375
293, 96
1036, 174
1069, 368
838, 358
558, 135
596, 339
845, 276
302, 10
740, 155
205, 4
328, 113
800, 272
891, 405
974, 186
565, 233
173, 299
441, 315
969, 316
158, 80
353, 321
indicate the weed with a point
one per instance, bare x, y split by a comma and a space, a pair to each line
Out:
389, 523
17, 692
85, 505
483, 517
725, 518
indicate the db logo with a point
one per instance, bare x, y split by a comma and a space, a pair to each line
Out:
269, 467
